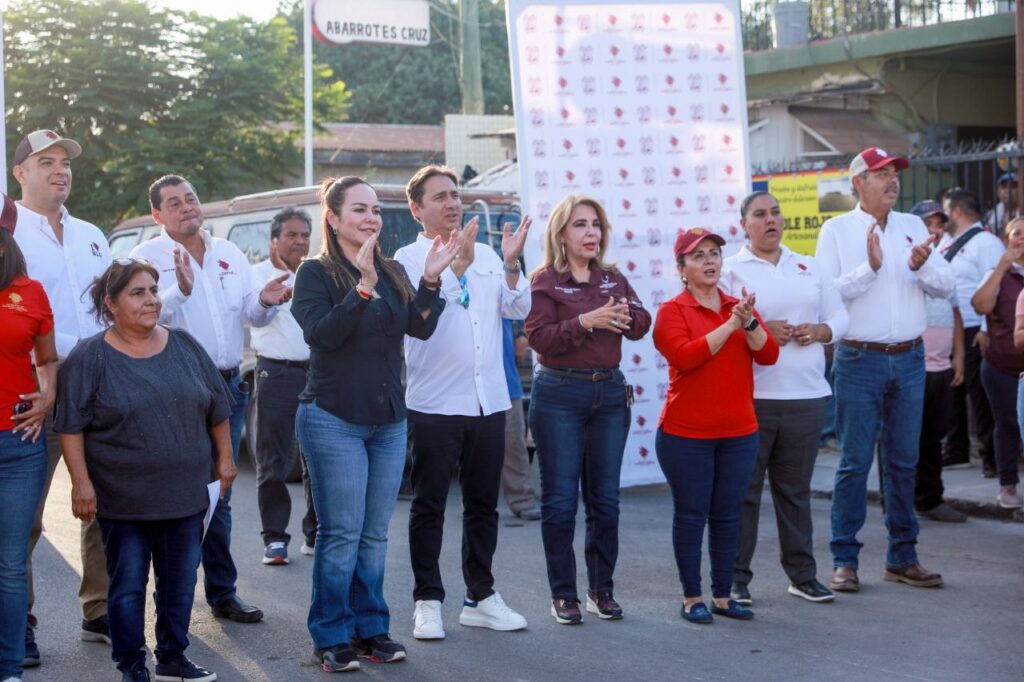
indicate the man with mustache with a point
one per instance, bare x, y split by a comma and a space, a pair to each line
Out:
212, 301
282, 357
64, 254
883, 265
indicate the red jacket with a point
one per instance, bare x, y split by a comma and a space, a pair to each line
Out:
709, 396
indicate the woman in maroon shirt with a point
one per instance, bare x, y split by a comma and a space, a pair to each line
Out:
579, 404
26, 326
1002, 363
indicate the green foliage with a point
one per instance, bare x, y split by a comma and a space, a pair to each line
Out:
148, 91
393, 84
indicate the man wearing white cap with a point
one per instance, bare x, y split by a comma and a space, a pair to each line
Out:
64, 254
883, 265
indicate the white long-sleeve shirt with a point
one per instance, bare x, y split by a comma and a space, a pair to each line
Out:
794, 290
66, 271
885, 306
224, 295
281, 338
970, 265
460, 370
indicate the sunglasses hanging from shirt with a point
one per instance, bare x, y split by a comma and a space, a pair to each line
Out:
464, 296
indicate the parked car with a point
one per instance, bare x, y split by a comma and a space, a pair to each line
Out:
245, 220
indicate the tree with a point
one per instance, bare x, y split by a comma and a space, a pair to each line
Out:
148, 91
394, 84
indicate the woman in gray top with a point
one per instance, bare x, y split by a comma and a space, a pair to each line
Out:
143, 417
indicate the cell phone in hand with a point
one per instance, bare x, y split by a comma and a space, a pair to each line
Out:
22, 407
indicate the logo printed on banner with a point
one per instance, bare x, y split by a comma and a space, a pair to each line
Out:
675, 176
589, 85
674, 145
563, 86
699, 142
642, 84
631, 266
623, 180
532, 54
724, 84
653, 237
693, 52
540, 149
586, 54
566, 151
733, 230
649, 175
643, 452
659, 360
667, 54
656, 266
704, 203
647, 143
626, 211
530, 23
671, 114
620, 117
560, 51
638, 393
536, 117
670, 84
590, 116
678, 207
559, 21
544, 209
639, 22
593, 146
570, 180
700, 174
596, 177
583, 23
657, 298
643, 113
640, 54
534, 85
616, 83
540, 179
662, 390
696, 112
621, 144
692, 20
696, 82
614, 55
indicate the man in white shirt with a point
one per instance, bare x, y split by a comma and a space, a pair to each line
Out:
972, 251
211, 301
282, 357
64, 254
457, 398
883, 265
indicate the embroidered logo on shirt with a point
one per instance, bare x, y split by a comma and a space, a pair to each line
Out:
223, 265
15, 298
606, 283
15, 303
909, 240
96, 250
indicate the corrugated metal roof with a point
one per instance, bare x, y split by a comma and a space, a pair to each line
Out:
850, 131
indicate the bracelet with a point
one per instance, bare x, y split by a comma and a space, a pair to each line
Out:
364, 292
264, 305
511, 270
582, 324
424, 282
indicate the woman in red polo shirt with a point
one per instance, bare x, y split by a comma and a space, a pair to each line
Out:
26, 325
707, 436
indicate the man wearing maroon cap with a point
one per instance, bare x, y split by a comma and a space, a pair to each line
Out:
65, 255
883, 266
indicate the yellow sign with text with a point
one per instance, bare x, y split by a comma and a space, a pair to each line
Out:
807, 200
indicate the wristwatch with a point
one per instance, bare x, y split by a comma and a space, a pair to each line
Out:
752, 325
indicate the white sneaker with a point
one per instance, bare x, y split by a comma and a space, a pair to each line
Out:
1008, 497
491, 613
306, 549
427, 620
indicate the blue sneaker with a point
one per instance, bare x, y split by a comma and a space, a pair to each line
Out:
276, 554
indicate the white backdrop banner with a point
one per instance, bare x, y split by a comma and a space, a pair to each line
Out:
643, 107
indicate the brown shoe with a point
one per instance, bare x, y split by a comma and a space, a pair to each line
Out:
844, 579
913, 575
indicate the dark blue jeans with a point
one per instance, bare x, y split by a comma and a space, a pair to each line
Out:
708, 478
22, 475
1001, 389
580, 428
219, 572
172, 546
355, 471
879, 400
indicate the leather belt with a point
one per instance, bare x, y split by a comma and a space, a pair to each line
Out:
578, 374
300, 364
228, 374
887, 348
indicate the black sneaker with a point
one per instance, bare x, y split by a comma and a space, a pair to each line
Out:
340, 658
812, 590
379, 649
31, 659
182, 670
96, 630
566, 611
138, 673
604, 605
741, 595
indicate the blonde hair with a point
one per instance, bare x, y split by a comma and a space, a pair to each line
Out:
554, 250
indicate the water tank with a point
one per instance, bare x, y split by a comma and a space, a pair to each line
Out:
791, 22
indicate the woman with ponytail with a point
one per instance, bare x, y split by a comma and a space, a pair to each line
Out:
354, 307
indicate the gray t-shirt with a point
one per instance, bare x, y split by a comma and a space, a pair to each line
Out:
145, 422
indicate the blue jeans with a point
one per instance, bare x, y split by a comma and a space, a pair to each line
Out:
580, 428
709, 478
355, 472
22, 476
220, 574
879, 399
1001, 388
172, 546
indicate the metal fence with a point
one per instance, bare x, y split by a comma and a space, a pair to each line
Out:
976, 167
832, 18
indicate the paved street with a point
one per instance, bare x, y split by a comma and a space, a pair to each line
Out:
970, 629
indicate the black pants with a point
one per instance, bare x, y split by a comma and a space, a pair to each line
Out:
276, 400
476, 446
1001, 388
934, 422
958, 441
309, 521
790, 431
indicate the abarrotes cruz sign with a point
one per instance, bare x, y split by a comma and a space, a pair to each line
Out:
391, 22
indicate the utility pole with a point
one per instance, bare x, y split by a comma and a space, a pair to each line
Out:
471, 76
307, 67
1020, 102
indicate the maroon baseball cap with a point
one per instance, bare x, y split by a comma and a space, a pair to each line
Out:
37, 141
874, 158
9, 217
687, 241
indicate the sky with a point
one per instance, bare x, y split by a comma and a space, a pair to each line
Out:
224, 9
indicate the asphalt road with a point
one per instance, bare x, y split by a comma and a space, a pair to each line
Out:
970, 629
